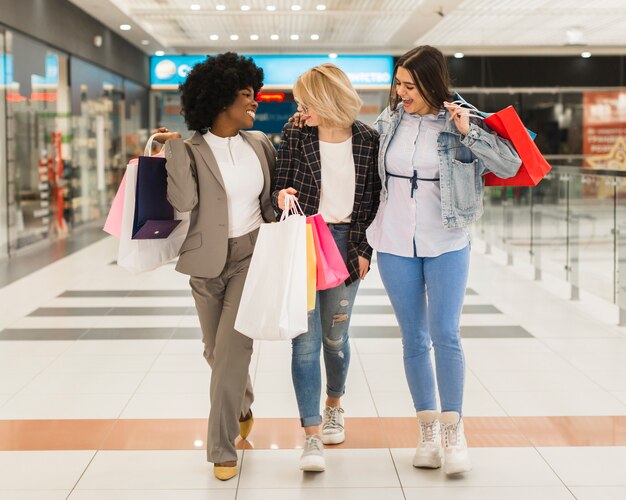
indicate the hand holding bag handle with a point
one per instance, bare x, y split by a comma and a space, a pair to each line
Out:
508, 125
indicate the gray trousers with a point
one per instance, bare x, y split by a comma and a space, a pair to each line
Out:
227, 351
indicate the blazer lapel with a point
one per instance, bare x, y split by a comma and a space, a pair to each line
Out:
311, 152
207, 155
360, 154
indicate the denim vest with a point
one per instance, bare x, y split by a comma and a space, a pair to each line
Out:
462, 163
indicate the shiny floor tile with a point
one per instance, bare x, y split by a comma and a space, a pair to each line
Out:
493, 467
150, 470
588, 466
42, 470
364, 468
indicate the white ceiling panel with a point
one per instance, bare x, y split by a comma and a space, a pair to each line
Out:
369, 26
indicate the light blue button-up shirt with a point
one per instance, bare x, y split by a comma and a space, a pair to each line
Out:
408, 225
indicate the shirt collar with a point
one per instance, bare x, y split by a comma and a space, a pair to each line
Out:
214, 140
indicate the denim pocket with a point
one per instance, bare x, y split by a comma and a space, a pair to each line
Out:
464, 177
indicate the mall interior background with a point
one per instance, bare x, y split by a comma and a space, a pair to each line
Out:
73, 113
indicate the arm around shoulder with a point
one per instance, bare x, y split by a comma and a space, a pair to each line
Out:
182, 185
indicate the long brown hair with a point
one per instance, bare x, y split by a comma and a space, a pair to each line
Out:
429, 71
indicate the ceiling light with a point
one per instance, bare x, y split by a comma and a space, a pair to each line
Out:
271, 8
245, 7
332, 55
321, 7
145, 42
315, 37
296, 7
585, 55
220, 7
214, 37
234, 37
459, 55
254, 37
194, 6
294, 37
125, 27
159, 53
274, 37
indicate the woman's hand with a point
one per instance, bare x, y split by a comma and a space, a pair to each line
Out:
162, 134
460, 116
364, 267
295, 119
281, 196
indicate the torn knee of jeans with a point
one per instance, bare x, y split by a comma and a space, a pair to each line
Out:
344, 303
339, 318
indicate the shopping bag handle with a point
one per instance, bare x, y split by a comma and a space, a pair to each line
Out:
148, 149
292, 207
464, 104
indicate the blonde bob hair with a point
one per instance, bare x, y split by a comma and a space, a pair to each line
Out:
327, 90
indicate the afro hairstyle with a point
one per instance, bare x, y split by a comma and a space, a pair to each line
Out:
212, 85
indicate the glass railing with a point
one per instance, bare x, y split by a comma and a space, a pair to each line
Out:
572, 226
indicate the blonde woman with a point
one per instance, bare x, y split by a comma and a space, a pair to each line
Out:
330, 165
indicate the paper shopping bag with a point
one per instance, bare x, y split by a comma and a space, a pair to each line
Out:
113, 224
331, 268
507, 124
311, 269
154, 216
273, 304
139, 255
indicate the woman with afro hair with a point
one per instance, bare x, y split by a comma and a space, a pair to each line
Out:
222, 175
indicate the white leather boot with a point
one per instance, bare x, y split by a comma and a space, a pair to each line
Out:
428, 452
456, 456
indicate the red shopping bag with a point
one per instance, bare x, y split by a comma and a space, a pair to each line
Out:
507, 124
331, 269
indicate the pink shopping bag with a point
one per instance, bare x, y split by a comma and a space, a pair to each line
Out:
331, 269
113, 224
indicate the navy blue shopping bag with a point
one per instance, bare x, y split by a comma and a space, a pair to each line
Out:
154, 216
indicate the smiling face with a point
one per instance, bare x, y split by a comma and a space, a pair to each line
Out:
407, 90
241, 113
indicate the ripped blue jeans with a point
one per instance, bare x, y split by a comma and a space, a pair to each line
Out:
328, 327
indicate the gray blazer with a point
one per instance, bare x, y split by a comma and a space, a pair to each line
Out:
194, 183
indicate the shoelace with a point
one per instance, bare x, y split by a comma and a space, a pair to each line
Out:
332, 415
428, 432
313, 443
450, 434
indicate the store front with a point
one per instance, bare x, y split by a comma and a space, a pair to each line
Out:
70, 128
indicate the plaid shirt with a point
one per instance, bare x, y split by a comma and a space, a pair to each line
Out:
299, 166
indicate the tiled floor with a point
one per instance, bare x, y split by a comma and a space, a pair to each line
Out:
103, 395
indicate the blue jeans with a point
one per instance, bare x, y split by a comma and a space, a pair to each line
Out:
328, 326
427, 296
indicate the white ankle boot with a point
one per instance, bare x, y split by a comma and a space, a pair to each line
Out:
428, 452
455, 451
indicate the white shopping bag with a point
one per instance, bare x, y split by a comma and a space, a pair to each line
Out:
145, 255
274, 301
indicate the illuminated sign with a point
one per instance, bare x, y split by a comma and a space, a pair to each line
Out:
280, 71
270, 96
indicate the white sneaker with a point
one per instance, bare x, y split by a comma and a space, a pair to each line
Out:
312, 459
332, 426
454, 444
428, 452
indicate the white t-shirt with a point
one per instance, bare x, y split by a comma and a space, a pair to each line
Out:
338, 178
243, 179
